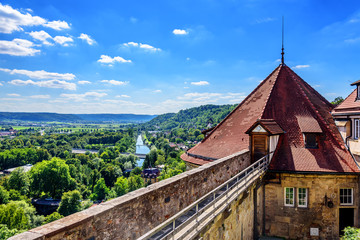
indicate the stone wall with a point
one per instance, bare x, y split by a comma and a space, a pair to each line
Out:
237, 221
135, 213
295, 222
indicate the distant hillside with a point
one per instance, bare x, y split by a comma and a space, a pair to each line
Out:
197, 117
56, 117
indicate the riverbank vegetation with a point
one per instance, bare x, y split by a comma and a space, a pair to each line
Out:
76, 181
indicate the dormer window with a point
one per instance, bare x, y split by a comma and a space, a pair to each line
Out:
311, 130
310, 140
264, 136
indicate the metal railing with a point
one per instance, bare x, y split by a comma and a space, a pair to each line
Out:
230, 190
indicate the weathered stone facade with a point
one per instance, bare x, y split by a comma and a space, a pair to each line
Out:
295, 222
134, 214
237, 222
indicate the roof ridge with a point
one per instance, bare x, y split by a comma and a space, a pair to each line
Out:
314, 91
243, 101
271, 91
293, 74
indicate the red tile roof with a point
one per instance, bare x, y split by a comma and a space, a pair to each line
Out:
308, 124
284, 97
349, 106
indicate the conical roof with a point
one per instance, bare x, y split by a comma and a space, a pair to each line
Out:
294, 105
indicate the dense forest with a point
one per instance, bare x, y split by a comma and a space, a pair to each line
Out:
196, 118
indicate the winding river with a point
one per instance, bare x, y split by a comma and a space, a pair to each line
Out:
141, 148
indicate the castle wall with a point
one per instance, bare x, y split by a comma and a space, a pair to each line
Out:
134, 214
237, 222
295, 222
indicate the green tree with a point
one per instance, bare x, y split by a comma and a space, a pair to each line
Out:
100, 190
121, 186
135, 182
6, 233
17, 215
51, 177
337, 100
70, 203
19, 181
110, 173
4, 195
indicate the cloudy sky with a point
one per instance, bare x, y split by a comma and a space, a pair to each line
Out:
153, 57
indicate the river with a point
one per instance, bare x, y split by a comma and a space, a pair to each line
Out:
141, 148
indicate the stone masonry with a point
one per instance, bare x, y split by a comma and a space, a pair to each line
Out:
295, 222
134, 214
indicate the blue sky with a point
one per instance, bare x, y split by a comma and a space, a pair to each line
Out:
153, 57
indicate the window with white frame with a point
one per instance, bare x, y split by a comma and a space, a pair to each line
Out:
289, 196
356, 128
346, 196
302, 197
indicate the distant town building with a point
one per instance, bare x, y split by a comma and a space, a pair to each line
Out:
150, 175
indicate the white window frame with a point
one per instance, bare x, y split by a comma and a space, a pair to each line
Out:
356, 128
347, 195
305, 197
293, 197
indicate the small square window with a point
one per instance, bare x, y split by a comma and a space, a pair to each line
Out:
310, 140
346, 196
289, 196
302, 197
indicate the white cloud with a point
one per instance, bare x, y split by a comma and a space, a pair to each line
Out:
40, 74
84, 96
114, 82
13, 95
57, 25
110, 61
133, 20
1, 84
12, 99
11, 20
40, 96
18, 47
301, 66
48, 84
142, 46
122, 96
200, 96
157, 91
180, 32
62, 40
84, 82
87, 38
200, 83
41, 36
264, 20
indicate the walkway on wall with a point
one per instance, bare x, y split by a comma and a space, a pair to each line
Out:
189, 222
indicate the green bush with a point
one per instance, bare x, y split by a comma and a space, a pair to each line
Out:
351, 233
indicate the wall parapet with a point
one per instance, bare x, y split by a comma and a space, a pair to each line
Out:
134, 214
